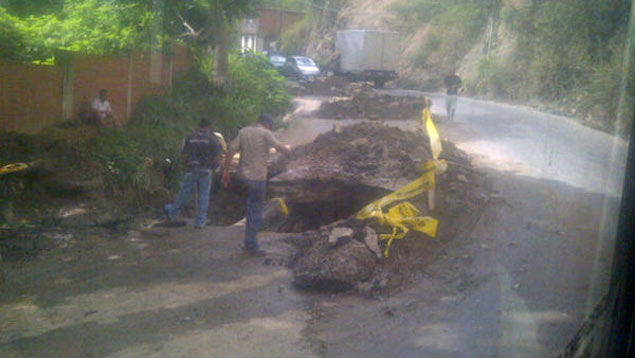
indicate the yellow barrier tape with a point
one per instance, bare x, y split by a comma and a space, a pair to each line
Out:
283, 206
433, 134
408, 191
15, 167
404, 217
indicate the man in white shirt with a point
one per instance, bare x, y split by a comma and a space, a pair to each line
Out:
101, 110
253, 144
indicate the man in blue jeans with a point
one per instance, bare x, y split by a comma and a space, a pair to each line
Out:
253, 144
200, 152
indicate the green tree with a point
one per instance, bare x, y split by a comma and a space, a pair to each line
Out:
11, 37
90, 26
212, 20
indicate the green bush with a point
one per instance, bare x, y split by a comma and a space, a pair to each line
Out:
89, 26
120, 156
610, 92
11, 37
493, 79
131, 158
258, 86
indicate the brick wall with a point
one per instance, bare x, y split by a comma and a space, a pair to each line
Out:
90, 73
150, 75
30, 96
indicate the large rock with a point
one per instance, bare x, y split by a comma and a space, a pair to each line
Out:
334, 268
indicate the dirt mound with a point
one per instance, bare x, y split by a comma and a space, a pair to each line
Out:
323, 86
366, 153
332, 178
363, 101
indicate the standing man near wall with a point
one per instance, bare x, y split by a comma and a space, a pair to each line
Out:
452, 84
253, 144
200, 152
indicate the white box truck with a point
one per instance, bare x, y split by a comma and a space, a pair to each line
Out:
368, 55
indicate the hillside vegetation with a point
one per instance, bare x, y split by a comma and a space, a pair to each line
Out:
572, 56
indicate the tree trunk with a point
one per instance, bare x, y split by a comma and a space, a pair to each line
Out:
221, 47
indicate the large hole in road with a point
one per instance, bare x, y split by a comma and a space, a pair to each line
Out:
311, 203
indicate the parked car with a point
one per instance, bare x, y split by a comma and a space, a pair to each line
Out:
300, 68
277, 60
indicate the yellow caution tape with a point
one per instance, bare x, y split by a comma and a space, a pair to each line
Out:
283, 206
404, 216
15, 167
433, 134
408, 191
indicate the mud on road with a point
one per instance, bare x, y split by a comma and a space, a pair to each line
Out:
182, 292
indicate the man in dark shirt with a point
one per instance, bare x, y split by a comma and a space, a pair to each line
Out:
200, 152
453, 85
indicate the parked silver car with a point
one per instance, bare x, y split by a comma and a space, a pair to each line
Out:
299, 68
277, 61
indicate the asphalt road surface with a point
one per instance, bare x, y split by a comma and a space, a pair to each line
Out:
519, 286
534, 267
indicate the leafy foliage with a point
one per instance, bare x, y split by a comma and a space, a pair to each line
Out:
255, 83
130, 161
454, 27
11, 37
90, 26
568, 53
573, 52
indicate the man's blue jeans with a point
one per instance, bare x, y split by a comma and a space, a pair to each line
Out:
202, 178
256, 191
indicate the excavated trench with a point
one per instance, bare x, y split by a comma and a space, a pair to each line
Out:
311, 203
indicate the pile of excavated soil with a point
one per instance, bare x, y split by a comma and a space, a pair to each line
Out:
322, 86
368, 153
326, 182
362, 101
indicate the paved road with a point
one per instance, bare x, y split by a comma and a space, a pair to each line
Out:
535, 265
519, 286
538, 144
508, 138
